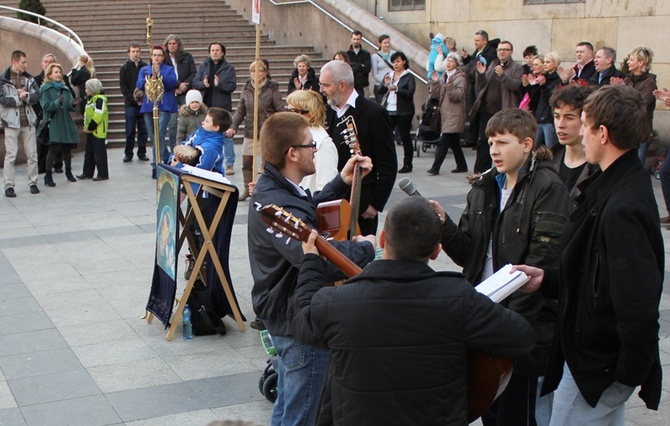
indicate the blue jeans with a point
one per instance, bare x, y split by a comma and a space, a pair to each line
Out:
570, 408
134, 120
163, 121
546, 135
302, 371
229, 151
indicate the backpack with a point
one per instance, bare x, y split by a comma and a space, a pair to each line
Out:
204, 319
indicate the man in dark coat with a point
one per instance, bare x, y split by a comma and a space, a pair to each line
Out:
604, 67
400, 332
610, 276
375, 137
361, 63
288, 151
485, 52
134, 119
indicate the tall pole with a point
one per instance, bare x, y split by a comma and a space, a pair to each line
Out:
256, 19
256, 91
154, 89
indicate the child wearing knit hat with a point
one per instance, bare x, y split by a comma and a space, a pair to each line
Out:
191, 115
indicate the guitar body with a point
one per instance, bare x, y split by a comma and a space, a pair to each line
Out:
487, 376
334, 218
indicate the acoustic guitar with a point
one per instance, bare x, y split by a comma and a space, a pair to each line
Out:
487, 376
338, 219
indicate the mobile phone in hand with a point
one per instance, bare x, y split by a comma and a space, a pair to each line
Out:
482, 60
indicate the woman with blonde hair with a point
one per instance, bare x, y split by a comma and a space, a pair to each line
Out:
310, 105
57, 102
269, 102
640, 79
547, 83
303, 76
79, 75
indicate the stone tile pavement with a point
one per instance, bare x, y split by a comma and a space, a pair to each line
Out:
75, 272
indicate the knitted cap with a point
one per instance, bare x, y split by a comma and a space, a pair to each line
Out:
94, 86
193, 96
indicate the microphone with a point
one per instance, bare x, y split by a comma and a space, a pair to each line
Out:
408, 187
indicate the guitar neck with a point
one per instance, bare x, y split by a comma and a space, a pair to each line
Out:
355, 200
343, 263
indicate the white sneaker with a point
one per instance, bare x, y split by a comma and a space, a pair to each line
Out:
230, 171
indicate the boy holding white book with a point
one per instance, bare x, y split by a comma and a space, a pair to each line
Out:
515, 214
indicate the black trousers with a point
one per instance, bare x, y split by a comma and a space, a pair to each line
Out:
483, 161
404, 123
43, 150
449, 140
516, 405
95, 156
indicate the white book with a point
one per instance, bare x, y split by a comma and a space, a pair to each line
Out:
206, 174
501, 284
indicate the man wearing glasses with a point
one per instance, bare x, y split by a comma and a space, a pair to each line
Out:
288, 149
499, 87
166, 106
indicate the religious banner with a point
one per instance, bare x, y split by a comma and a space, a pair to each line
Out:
164, 282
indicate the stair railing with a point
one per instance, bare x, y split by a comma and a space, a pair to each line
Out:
71, 34
340, 23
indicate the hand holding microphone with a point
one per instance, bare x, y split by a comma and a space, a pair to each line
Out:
408, 188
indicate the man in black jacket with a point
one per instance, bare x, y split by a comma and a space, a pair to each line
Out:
485, 53
288, 151
605, 68
361, 63
400, 332
375, 138
134, 118
610, 276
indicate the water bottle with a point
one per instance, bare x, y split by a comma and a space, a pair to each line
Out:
187, 332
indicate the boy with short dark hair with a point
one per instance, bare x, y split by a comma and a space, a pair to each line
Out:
208, 139
515, 213
569, 158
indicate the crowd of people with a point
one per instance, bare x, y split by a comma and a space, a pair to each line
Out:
560, 191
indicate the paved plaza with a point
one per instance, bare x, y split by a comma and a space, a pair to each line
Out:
76, 263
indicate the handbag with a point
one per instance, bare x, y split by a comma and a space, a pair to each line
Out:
43, 130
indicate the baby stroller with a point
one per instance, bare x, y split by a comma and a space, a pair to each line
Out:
428, 133
267, 384
655, 168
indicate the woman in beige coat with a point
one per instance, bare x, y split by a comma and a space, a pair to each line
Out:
451, 91
269, 102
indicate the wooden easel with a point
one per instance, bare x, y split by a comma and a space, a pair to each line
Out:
224, 192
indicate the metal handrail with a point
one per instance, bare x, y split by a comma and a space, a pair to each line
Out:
71, 34
342, 24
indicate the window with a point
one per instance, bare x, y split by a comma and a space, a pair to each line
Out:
551, 1
395, 5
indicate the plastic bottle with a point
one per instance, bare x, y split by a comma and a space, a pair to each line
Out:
187, 332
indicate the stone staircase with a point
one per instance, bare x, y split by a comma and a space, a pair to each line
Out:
106, 28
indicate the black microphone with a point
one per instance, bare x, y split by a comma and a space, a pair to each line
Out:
408, 187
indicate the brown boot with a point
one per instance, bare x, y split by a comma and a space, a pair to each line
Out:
248, 177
